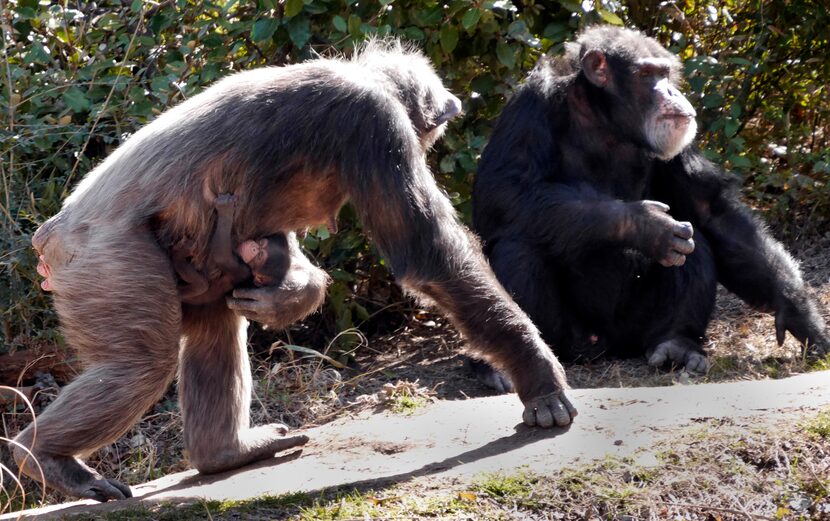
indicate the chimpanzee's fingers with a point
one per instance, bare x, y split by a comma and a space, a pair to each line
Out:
290, 442
673, 259
248, 293
780, 328
684, 230
244, 305
103, 490
696, 363
657, 205
683, 247
547, 411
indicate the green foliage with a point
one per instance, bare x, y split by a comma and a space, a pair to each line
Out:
79, 78
820, 425
758, 73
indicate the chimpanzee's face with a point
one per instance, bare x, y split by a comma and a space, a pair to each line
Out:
644, 102
668, 117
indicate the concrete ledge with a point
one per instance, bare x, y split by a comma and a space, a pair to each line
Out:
460, 439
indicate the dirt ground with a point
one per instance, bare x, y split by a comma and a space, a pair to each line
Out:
418, 363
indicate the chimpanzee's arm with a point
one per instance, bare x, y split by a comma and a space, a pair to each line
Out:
195, 284
222, 251
525, 187
750, 262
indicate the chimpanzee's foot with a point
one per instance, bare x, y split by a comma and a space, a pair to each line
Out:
489, 376
72, 477
681, 352
254, 444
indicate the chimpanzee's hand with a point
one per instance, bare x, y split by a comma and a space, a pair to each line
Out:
653, 231
541, 386
549, 410
301, 292
225, 204
800, 317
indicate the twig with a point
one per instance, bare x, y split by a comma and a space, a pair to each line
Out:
717, 509
4, 23
107, 100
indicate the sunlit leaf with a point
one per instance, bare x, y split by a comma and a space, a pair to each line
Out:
76, 100
264, 29
293, 7
339, 23
506, 54
471, 18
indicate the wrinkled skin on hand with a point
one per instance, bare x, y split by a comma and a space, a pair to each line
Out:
553, 409
799, 316
302, 291
656, 234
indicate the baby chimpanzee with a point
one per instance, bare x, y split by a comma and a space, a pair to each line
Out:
266, 259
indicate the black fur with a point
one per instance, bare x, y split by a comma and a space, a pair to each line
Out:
559, 202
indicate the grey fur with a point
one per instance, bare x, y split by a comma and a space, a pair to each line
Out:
292, 144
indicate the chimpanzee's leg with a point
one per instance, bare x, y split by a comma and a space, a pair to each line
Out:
672, 311
530, 279
215, 394
116, 297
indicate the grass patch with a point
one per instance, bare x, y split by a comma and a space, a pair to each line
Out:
266, 507
404, 397
820, 425
392, 503
511, 487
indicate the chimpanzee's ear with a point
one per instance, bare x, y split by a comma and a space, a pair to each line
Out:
452, 108
595, 67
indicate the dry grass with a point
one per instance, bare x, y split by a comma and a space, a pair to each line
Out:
418, 361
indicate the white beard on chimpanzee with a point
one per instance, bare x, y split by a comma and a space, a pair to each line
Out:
608, 226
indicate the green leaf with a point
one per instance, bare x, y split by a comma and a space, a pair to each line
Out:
573, 7
730, 128
740, 161
354, 25
414, 33
711, 101
506, 54
38, 53
518, 31
339, 23
228, 6
556, 31
471, 18
429, 17
360, 312
299, 30
293, 7
447, 163
26, 13
449, 37
610, 17
109, 22
76, 99
697, 83
264, 29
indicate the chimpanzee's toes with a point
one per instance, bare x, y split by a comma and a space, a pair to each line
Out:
105, 489
489, 376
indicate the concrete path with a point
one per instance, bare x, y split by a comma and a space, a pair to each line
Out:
461, 439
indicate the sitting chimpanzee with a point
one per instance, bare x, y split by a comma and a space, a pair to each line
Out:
265, 260
587, 197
